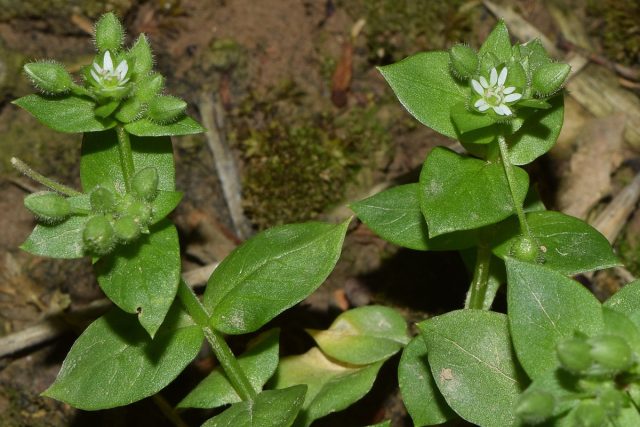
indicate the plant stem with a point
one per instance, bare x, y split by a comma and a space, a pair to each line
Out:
22, 167
511, 181
126, 156
223, 353
478, 288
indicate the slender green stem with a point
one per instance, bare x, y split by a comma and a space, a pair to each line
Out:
223, 353
511, 180
22, 167
478, 288
126, 156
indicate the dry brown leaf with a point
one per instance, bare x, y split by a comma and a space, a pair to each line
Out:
341, 80
589, 176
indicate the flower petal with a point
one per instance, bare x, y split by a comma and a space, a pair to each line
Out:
484, 107
493, 78
95, 76
97, 67
477, 87
484, 82
508, 90
506, 111
107, 63
512, 97
480, 102
502, 77
122, 69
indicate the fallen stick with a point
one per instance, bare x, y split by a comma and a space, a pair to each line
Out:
58, 324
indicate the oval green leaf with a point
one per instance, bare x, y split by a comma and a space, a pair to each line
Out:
259, 363
115, 362
420, 394
570, 245
145, 127
143, 277
424, 85
332, 386
463, 193
474, 365
68, 113
273, 408
363, 335
545, 307
497, 43
627, 301
271, 272
63, 240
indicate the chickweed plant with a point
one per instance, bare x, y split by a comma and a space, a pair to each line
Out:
558, 356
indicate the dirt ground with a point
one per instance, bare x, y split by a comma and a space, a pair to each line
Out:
311, 125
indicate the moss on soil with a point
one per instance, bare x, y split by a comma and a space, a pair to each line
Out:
620, 31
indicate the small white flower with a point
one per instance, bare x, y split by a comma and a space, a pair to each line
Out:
493, 94
108, 77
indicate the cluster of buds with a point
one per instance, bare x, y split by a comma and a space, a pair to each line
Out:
499, 88
598, 366
120, 219
121, 82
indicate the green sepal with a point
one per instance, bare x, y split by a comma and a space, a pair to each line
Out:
466, 121
68, 113
115, 354
105, 110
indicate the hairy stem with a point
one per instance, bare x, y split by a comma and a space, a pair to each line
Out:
223, 353
511, 181
478, 288
22, 167
126, 156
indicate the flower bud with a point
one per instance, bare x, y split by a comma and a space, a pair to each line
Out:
49, 77
48, 206
109, 33
165, 109
139, 211
148, 87
145, 184
525, 249
589, 414
98, 236
611, 352
102, 200
130, 110
549, 78
141, 57
126, 229
535, 406
612, 400
574, 355
464, 61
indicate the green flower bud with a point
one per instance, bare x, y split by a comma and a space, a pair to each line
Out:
464, 61
141, 56
131, 110
612, 400
149, 87
525, 249
126, 229
589, 414
611, 352
48, 206
49, 77
140, 211
145, 184
109, 33
166, 109
574, 355
102, 200
535, 406
98, 236
549, 78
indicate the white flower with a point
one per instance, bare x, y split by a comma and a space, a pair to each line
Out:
108, 77
493, 94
